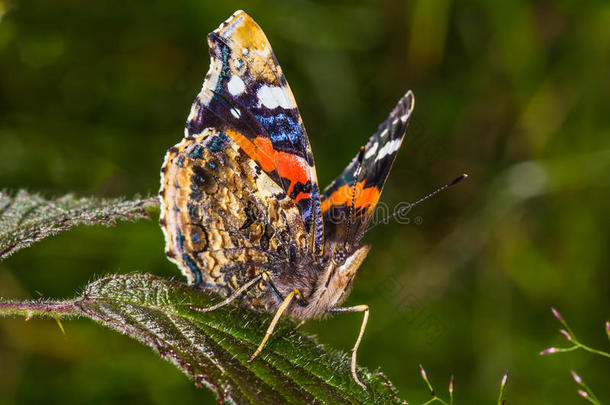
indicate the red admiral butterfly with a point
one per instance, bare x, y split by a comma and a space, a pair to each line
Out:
241, 210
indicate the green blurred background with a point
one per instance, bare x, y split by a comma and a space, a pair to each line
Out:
515, 93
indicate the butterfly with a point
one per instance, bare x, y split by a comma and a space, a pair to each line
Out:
241, 209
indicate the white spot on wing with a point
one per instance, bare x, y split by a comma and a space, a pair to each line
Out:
236, 86
235, 112
265, 97
388, 149
273, 97
371, 150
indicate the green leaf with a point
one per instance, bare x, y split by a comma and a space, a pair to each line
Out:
213, 348
27, 218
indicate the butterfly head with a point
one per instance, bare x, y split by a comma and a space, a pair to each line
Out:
336, 279
347, 263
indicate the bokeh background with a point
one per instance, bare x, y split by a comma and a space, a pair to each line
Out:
515, 93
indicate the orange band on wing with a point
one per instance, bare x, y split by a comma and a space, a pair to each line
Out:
364, 197
301, 196
294, 168
259, 151
287, 165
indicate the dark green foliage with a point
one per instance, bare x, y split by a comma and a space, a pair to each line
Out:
213, 348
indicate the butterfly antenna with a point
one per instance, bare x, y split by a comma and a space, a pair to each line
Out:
421, 200
351, 207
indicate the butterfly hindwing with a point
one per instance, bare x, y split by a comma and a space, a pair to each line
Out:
221, 217
362, 182
246, 95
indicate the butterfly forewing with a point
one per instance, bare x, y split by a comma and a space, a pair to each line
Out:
362, 181
246, 95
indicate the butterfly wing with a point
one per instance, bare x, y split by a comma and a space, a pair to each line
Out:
246, 95
221, 215
379, 154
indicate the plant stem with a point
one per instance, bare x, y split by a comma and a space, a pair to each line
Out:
49, 309
435, 399
591, 350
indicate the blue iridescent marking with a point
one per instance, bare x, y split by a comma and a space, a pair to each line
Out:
217, 142
195, 193
180, 240
306, 215
190, 263
224, 73
193, 212
283, 128
197, 152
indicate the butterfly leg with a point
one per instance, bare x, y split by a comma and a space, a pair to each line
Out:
357, 308
299, 298
231, 297
275, 319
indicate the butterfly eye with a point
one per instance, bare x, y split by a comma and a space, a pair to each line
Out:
339, 256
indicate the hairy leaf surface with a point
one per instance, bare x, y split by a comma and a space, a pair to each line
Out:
26, 218
213, 348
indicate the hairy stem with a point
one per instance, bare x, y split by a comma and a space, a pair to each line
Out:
49, 309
